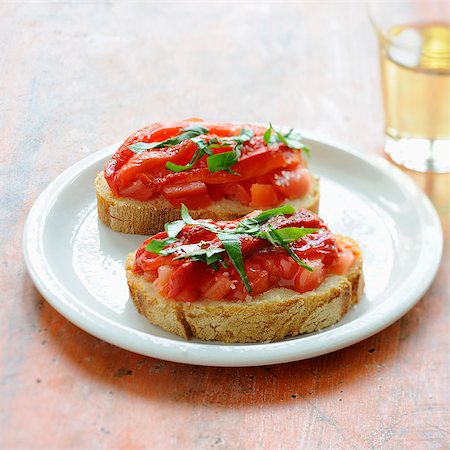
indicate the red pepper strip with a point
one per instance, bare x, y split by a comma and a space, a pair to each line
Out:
159, 132
147, 162
250, 166
153, 133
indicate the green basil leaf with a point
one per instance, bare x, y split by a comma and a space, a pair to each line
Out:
201, 254
292, 139
222, 161
185, 216
193, 131
281, 138
268, 135
140, 147
177, 168
185, 134
173, 228
180, 250
202, 148
289, 234
232, 246
266, 215
225, 160
210, 256
245, 134
157, 245
275, 239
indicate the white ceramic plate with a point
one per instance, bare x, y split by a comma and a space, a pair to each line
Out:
77, 263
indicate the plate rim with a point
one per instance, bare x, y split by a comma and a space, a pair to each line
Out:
228, 355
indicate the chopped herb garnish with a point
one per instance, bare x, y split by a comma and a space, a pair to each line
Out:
202, 149
188, 220
289, 234
266, 215
292, 139
209, 255
185, 216
275, 238
232, 246
223, 161
216, 162
219, 161
156, 245
185, 134
257, 226
173, 228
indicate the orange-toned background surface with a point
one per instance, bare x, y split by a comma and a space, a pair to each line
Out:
76, 77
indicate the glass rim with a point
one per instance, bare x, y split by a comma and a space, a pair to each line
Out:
382, 32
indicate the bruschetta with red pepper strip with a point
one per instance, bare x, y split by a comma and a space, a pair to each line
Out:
263, 277
220, 171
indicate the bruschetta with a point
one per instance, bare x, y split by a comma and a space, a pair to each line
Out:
263, 277
220, 171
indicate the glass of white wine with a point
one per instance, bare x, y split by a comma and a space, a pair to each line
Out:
414, 44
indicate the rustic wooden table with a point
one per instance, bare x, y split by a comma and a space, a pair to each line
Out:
76, 77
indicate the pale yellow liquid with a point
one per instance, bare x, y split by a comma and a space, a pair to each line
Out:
416, 81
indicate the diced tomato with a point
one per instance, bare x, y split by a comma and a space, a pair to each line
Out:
270, 263
191, 202
215, 193
317, 245
138, 190
259, 280
185, 190
219, 288
293, 183
164, 274
344, 261
263, 195
186, 295
150, 275
153, 263
250, 245
207, 282
266, 265
185, 274
307, 281
143, 175
238, 292
234, 191
193, 195
289, 269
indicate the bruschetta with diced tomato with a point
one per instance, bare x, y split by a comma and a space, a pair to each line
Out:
220, 171
271, 274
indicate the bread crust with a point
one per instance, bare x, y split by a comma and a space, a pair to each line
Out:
136, 217
268, 317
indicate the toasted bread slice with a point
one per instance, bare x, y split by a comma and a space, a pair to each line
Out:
136, 217
270, 316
